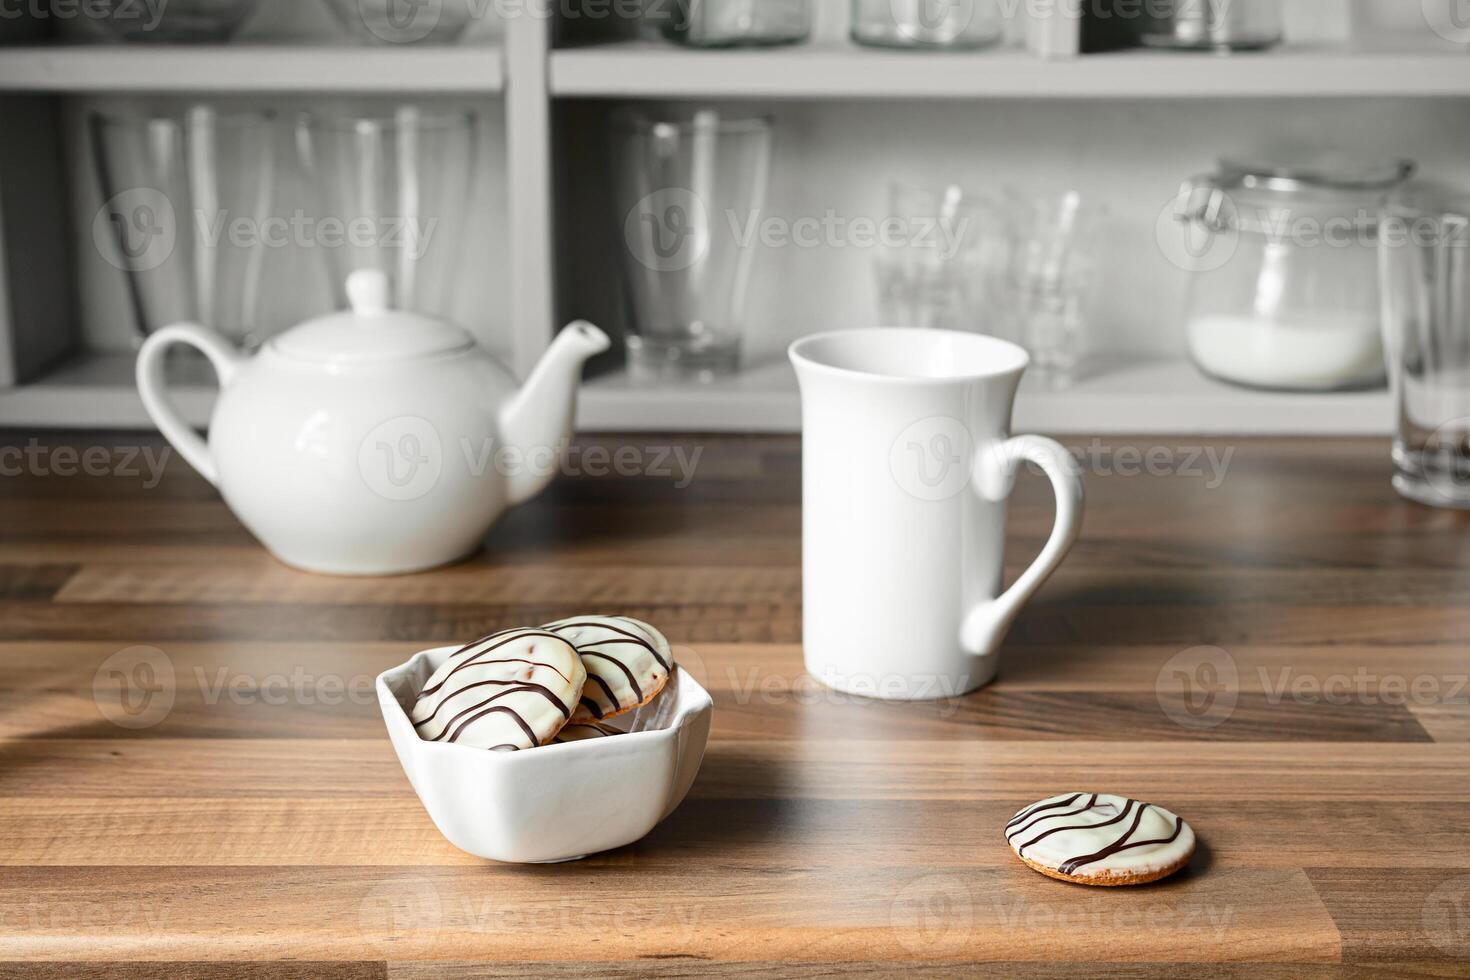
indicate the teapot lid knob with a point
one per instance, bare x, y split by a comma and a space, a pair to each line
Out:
367, 292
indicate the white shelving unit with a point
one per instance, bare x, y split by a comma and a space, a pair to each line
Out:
839, 70
251, 68
1163, 397
535, 83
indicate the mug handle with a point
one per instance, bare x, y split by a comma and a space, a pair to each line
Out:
994, 477
152, 387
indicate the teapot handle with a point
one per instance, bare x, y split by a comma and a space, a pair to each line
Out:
152, 387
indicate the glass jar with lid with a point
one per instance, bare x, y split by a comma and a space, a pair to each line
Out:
1283, 291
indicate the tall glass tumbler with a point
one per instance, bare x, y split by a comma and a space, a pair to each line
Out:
392, 192
943, 261
186, 198
685, 188
1424, 261
1053, 270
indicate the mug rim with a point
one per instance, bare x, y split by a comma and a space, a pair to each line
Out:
800, 358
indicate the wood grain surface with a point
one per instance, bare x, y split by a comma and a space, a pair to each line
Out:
258, 824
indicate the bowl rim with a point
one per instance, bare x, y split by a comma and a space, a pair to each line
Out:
692, 699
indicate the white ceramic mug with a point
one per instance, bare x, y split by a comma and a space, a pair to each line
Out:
907, 462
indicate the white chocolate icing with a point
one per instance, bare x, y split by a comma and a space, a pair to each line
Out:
1093, 835
510, 690
627, 661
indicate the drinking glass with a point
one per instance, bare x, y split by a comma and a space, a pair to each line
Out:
681, 183
737, 23
186, 197
173, 21
944, 261
392, 191
405, 21
1052, 271
934, 24
1424, 264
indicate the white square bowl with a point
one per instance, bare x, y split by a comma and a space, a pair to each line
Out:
554, 802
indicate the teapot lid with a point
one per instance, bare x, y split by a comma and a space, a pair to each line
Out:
370, 332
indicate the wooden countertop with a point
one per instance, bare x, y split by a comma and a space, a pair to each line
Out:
263, 816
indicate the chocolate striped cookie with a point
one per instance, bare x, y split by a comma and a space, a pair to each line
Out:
1098, 839
510, 690
628, 663
581, 731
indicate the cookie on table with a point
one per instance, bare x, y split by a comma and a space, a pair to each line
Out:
628, 662
511, 690
1100, 839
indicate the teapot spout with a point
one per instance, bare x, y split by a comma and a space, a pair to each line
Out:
539, 418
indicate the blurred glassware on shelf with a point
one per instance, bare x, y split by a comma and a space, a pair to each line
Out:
951, 24
1053, 271
1210, 25
680, 183
944, 261
736, 23
398, 185
186, 196
173, 21
1283, 291
1424, 260
405, 21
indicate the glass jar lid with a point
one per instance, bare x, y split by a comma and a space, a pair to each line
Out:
1262, 196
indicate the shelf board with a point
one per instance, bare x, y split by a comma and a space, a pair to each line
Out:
1161, 398
97, 391
840, 70
1168, 397
251, 68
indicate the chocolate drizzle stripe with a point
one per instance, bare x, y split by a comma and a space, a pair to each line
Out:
1039, 807
448, 725
1077, 826
607, 690
476, 659
631, 637
491, 710
1053, 816
545, 692
591, 705
1120, 844
632, 681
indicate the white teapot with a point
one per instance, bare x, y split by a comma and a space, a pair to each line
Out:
372, 441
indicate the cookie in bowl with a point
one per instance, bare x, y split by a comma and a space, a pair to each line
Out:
628, 663
533, 806
511, 690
